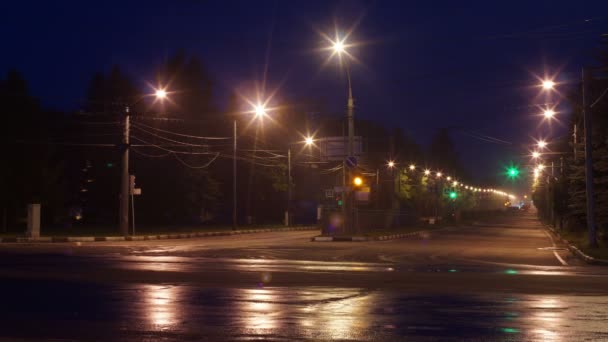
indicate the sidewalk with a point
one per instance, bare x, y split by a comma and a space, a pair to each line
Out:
50, 239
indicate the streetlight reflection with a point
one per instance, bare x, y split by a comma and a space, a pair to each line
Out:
160, 305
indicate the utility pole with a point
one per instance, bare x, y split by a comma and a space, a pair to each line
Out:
589, 159
287, 213
124, 182
234, 215
350, 112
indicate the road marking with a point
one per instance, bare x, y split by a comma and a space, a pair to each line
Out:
554, 251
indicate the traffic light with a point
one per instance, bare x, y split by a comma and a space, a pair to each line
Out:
453, 195
512, 172
357, 181
339, 200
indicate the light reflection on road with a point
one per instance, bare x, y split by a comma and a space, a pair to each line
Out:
322, 313
185, 264
161, 305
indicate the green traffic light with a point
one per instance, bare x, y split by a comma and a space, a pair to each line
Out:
453, 195
512, 171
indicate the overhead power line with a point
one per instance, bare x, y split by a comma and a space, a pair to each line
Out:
180, 134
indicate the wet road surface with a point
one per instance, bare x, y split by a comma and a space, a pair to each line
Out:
499, 280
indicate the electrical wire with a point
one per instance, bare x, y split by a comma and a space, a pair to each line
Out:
181, 134
167, 150
167, 139
150, 155
599, 98
63, 143
197, 167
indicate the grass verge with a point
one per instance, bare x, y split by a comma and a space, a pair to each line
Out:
581, 241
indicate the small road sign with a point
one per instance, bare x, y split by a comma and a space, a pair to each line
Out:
351, 161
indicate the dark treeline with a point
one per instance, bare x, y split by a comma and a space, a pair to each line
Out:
181, 152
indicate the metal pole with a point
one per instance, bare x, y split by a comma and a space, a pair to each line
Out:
234, 220
133, 212
124, 184
574, 142
589, 160
287, 216
351, 136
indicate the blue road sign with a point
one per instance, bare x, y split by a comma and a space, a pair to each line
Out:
351, 161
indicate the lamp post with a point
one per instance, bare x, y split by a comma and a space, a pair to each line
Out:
308, 142
123, 214
339, 48
587, 123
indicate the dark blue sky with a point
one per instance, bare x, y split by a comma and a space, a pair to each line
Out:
425, 64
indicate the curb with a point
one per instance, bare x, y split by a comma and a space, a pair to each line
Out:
55, 239
574, 250
367, 238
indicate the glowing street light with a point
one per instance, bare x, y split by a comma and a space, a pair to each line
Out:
338, 46
439, 174
548, 84
449, 178
391, 164
535, 154
542, 144
357, 181
427, 172
549, 113
412, 167
308, 141
161, 94
259, 110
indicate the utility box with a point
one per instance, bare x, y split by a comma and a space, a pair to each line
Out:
33, 220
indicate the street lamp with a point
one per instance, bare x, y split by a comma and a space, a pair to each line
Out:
439, 174
259, 110
542, 144
548, 84
338, 46
160, 94
427, 172
412, 167
308, 141
549, 113
535, 154
391, 164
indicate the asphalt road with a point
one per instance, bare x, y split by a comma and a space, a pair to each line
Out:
503, 279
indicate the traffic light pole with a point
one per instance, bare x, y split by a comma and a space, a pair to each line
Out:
124, 181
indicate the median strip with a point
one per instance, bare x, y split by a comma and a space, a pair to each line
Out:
371, 238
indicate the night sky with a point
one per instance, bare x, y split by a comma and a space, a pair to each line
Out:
424, 64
